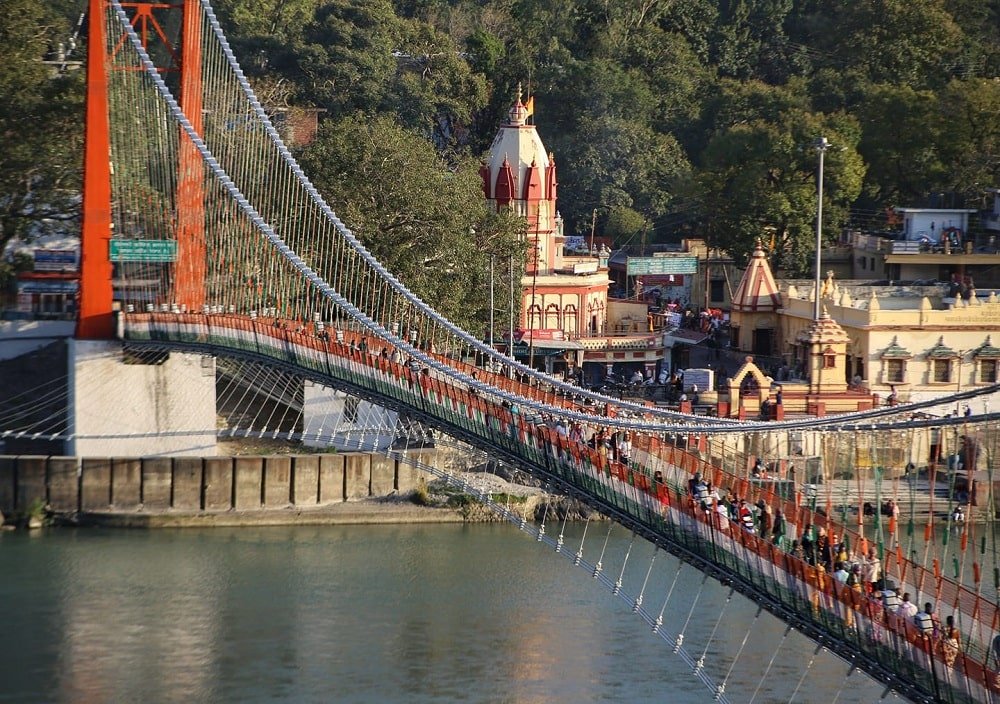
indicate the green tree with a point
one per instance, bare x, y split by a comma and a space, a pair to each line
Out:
759, 182
41, 126
485, 51
900, 143
980, 24
622, 224
970, 136
281, 19
674, 75
424, 219
346, 60
751, 42
615, 162
435, 89
912, 42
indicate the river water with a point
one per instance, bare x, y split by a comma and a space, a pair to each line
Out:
407, 613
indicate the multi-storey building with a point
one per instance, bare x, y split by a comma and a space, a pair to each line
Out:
566, 319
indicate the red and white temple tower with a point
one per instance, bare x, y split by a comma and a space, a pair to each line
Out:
566, 317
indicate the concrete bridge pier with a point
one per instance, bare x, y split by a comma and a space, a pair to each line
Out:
333, 419
129, 406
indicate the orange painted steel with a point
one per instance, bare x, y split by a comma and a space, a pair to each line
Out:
95, 320
191, 265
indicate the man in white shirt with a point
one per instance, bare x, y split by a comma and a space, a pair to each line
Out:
840, 574
625, 448
907, 609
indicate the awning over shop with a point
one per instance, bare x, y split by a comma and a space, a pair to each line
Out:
546, 348
684, 337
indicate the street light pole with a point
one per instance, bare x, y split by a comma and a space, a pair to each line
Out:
821, 145
493, 307
510, 315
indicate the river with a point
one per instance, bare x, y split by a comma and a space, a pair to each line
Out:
407, 613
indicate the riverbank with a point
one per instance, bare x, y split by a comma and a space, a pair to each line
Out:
437, 501
380, 511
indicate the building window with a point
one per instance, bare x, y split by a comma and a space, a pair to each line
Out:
535, 317
987, 371
895, 370
569, 319
941, 370
552, 317
829, 359
717, 290
734, 336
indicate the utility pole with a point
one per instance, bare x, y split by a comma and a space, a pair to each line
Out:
708, 267
510, 321
821, 146
541, 312
492, 300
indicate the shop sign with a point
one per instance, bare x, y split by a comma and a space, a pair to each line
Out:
640, 266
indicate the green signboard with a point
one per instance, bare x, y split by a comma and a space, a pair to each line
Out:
524, 350
143, 250
638, 266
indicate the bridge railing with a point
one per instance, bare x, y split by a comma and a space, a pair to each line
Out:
268, 241
651, 492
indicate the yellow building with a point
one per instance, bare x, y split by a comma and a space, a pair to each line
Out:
912, 340
915, 341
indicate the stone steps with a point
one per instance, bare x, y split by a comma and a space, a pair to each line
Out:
914, 497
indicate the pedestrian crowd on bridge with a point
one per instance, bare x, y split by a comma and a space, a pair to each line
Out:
860, 569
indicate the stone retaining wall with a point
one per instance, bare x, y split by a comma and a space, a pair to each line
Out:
209, 484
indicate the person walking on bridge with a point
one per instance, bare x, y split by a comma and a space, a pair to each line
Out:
927, 622
824, 550
778, 529
745, 515
907, 609
871, 571
808, 545
951, 641
624, 449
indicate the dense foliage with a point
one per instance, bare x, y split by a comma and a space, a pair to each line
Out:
667, 117
672, 118
41, 113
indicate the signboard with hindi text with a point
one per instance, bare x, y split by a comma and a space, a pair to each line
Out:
122, 250
639, 266
56, 259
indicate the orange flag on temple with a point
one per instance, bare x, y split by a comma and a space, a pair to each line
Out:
530, 105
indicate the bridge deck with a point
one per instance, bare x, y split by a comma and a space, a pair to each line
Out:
649, 494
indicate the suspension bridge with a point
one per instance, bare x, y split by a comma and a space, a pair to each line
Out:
251, 266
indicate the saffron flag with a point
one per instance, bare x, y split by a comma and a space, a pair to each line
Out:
530, 105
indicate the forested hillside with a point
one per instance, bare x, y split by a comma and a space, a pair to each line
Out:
669, 117
683, 116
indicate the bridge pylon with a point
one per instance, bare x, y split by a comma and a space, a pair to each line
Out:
95, 312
